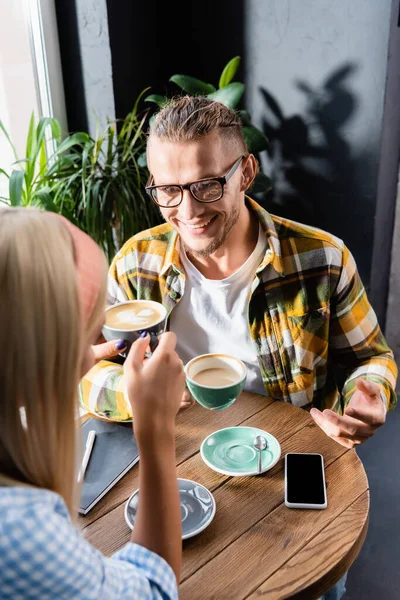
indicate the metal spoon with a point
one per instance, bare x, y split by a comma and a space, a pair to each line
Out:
260, 443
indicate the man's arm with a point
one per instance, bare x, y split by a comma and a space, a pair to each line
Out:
102, 391
356, 341
356, 344
102, 388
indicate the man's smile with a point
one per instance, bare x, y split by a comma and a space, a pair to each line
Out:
198, 228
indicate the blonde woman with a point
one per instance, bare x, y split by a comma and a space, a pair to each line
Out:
52, 298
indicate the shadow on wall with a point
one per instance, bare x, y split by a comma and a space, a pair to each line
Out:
317, 177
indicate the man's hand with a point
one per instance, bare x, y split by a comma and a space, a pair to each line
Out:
107, 350
362, 417
187, 400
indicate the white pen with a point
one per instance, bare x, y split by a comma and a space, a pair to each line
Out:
86, 457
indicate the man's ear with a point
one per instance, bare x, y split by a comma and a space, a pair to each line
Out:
250, 170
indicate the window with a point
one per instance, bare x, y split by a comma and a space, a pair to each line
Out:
30, 73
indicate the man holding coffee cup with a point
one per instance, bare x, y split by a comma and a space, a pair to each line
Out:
283, 298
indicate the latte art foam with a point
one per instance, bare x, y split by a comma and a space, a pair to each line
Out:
124, 317
133, 316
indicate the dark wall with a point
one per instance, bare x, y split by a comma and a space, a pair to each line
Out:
387, 184
159, 39
71, 64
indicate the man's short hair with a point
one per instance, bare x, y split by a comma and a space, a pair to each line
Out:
190, 118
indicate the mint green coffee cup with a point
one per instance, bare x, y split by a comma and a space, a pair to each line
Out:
215, 380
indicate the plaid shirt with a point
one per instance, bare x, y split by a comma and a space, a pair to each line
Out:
309, 315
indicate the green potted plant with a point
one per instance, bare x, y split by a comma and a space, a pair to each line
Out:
27, 184
102, 187
96, 182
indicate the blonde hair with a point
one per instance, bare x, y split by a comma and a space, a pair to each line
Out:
43, 343
189, 118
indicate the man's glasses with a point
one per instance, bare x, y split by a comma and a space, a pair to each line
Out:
205, 190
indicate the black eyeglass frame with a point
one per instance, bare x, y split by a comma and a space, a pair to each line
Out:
187, 186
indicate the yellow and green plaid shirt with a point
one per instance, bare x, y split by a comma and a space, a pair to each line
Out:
309, 316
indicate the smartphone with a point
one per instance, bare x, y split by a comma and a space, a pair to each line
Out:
305, 481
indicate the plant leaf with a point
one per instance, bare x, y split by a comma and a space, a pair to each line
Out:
31, 152
138, 99
41, 129
55, 129
42, 157
229, 72
15, 187
230, 95
191, 85
132, 143
22, 160
31, 138
76, 139
156, 99
110, 143
43, 198
3, 129
245, 117
255, 139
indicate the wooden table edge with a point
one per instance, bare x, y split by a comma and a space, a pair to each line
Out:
330, 578
321, 587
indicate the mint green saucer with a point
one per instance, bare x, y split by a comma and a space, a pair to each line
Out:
230, 451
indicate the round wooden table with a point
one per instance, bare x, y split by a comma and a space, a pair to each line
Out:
256, 547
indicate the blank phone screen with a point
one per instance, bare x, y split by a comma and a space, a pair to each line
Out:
304, 479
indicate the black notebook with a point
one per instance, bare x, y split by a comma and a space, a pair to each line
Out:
114, 452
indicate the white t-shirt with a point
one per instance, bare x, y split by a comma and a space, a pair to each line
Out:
212, 315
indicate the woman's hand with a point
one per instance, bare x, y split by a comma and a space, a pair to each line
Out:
154, 386
155, 389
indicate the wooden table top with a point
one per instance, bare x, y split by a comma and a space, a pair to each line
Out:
256, 546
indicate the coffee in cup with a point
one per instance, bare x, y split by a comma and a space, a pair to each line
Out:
216, 377
127, 320
215, 380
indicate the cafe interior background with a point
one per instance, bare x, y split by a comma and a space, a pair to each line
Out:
319, 79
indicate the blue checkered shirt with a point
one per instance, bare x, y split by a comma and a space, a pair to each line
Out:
43, 556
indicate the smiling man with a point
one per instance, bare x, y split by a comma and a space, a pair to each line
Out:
283, 297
